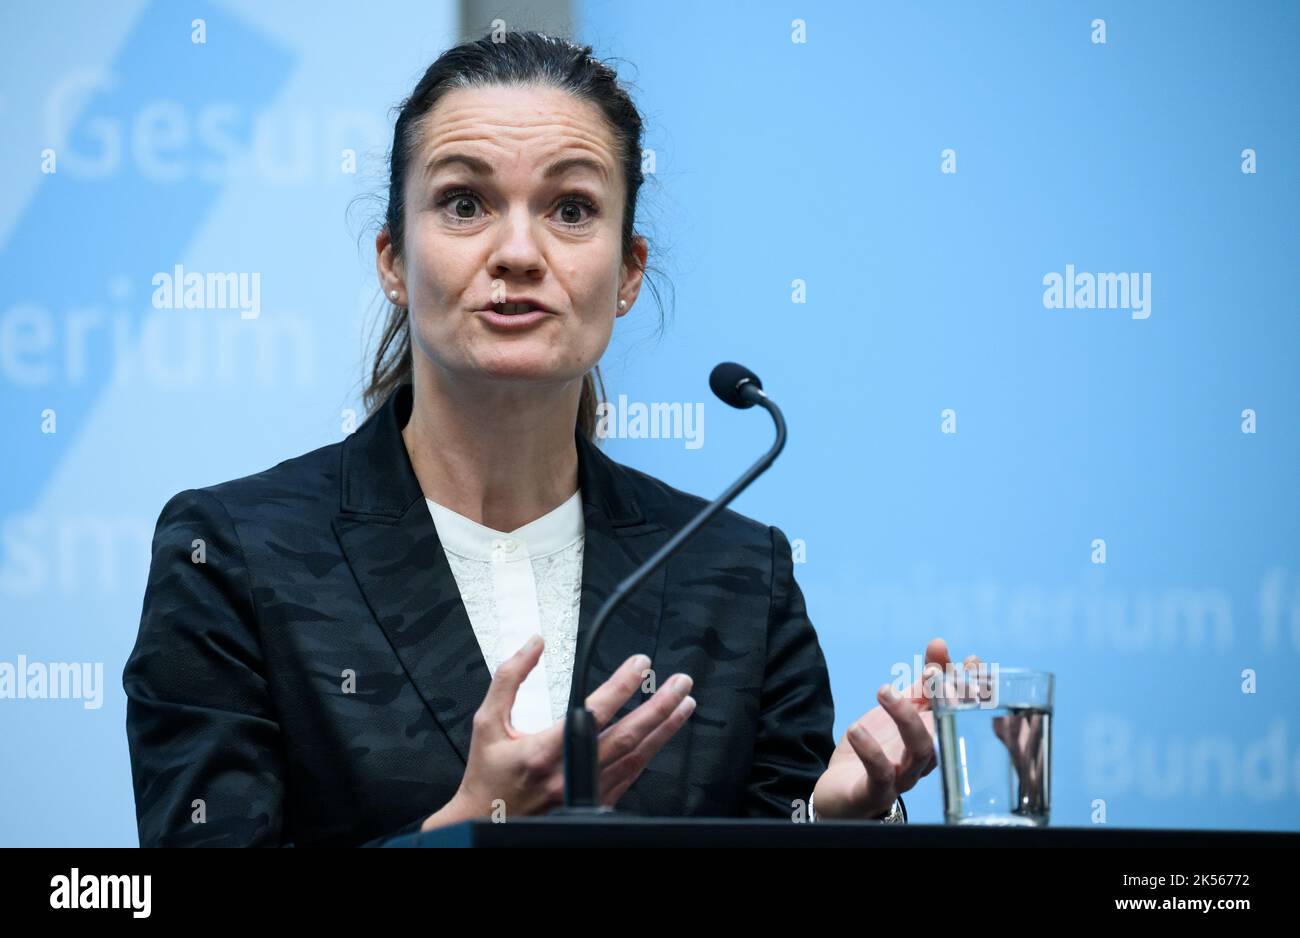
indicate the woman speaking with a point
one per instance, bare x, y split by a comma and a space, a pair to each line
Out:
378, 636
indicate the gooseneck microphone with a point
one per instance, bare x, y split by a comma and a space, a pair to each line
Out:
735, 385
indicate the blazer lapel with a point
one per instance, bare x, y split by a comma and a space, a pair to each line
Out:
618, 539
392, 546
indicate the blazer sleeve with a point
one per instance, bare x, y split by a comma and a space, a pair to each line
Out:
207, 758
794, 740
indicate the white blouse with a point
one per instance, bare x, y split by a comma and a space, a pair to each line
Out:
517, 584
520, 583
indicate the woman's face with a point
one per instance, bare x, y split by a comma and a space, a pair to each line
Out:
514, 192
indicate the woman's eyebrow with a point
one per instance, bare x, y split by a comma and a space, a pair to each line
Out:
473, 163
483, 168
560, 167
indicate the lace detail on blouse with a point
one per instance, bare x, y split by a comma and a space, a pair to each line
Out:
559, 597
474, 580
520, 583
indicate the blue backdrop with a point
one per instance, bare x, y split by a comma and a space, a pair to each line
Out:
877, 207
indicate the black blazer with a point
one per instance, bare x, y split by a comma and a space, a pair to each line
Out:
239, 713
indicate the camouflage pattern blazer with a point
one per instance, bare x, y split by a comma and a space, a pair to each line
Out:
305, 671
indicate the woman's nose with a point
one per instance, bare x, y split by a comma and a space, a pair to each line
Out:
517, 249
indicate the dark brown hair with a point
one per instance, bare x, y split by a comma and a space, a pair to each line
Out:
513, 58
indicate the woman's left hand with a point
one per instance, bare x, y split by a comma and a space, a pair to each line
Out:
886, 751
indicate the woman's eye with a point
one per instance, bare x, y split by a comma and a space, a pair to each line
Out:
459, 207
571, 213
460, 204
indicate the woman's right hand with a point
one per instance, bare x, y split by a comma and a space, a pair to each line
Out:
523, 773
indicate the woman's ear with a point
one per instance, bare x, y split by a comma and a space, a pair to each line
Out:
388, 265
632, 275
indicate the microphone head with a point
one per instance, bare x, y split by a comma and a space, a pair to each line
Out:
727, 380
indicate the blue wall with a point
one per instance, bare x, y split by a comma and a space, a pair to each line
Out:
800, 209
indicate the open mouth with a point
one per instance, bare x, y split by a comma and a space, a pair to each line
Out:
514, 309
515, 316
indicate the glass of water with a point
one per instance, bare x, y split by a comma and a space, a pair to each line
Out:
995, 745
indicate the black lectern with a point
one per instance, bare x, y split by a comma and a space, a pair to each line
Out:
552, 831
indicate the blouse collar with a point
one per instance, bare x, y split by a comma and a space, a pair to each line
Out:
557, 529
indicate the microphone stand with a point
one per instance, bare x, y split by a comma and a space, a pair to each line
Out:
581, 763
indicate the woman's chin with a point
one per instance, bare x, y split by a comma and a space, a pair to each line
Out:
525, 370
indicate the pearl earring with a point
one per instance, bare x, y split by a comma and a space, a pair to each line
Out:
392, 295
622, 303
